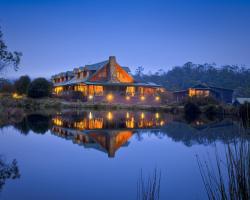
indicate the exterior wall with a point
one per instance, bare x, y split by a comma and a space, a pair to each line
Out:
180, 96
112, 72
122, 99
102, 75
219, 94
224, 95
109, 94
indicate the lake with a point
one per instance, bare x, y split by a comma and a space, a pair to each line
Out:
102, 154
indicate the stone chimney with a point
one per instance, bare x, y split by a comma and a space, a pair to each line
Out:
112, 62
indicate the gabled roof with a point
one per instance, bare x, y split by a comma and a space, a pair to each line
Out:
206, 86
96, 66
126, 69
201, 86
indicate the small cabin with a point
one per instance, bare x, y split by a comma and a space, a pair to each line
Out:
203, 90
106, 81
240, 101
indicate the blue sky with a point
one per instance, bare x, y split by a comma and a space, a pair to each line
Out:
56, 36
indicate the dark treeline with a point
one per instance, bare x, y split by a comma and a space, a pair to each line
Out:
182, 77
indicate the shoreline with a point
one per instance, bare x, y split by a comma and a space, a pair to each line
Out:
56, 104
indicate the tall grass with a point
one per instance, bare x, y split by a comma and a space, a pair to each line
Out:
149, 188
230, 179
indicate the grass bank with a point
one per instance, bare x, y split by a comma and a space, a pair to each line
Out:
7, 101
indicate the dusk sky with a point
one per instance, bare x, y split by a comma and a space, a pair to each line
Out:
56, 36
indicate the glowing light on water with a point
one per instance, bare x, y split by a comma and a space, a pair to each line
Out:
90, 115
127, 115
157, 115
142, 115
110, 116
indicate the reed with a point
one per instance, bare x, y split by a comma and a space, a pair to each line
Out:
229, 180
148, 188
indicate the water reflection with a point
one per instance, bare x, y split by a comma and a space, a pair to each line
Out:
105, 131
8, 171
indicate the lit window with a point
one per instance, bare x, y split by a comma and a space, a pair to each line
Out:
130, 90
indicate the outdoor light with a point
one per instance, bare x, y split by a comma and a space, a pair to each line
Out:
110, 97
110, 115
142, 98
127, 97
90, 97
157, 98
16, 96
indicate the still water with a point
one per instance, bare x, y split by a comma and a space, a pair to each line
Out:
102, 154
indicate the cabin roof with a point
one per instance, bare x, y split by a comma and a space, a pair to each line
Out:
204, 86
242, 100
95, 68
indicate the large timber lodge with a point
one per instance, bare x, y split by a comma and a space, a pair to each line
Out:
105, 81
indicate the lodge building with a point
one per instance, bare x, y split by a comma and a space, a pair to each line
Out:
106, 81
203, 90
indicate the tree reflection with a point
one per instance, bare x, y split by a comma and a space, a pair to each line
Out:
35, 122
22, 126
38, 123
8, 171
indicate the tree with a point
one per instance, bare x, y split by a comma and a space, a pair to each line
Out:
22, 84
139, 71
39, 87
8, 58
6, 86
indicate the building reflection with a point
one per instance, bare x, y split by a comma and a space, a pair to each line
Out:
104, 130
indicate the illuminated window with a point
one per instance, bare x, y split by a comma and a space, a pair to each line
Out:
130, 91
81, 88
98, 90
141, 91
58, 89
199, 93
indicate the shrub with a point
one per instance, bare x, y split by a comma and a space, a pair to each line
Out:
22, 84
191, 111
39, 87
191, 108
6, 86
211, 110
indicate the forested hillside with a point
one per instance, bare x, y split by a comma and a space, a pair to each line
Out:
181, 77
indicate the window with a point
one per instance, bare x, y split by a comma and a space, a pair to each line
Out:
81, 88
130, 91
98, 90
58, 89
